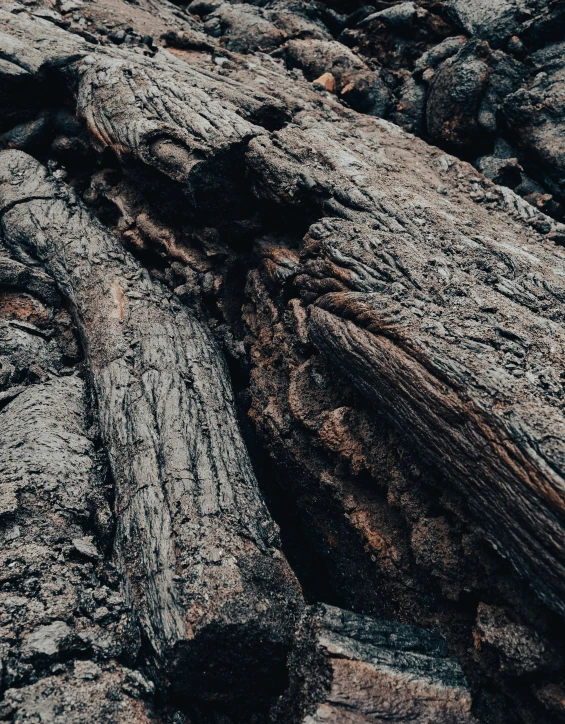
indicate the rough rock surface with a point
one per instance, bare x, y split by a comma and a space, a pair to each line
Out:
398, 62
235, 299
184, 483
494, 22
352, 668
68, 638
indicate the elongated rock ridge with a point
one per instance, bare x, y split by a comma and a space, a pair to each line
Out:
194, 541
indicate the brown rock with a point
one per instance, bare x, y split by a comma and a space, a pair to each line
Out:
327, 81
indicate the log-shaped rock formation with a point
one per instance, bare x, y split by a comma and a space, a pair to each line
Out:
68, 638
195, 544
480, 312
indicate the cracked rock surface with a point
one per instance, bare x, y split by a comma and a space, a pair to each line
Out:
281, 348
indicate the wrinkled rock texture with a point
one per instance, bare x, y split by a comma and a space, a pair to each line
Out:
281, 361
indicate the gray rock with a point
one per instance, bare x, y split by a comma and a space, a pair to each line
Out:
366, 92
29, 134
245, 28
521, 649
494, 21
546, 27
47, 640
506, 75
360, 87
359, 15
97, 698
503, 149
536, 115
352, 668
467, 93
396, 16
455, 96
86, 670
8, 498
410, 110
204, 7
85, 546
440, 52
503, 171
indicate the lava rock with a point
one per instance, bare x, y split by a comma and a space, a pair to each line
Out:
357, 16
536, 116
502, 171
21, 94
546, 27
521, 650
506, 75
397, 16
492, 21
360, 87
440, 52
352, 668
366, 92
410, 109
28, 135
455, 96
48, 641
85, 547
243, 28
